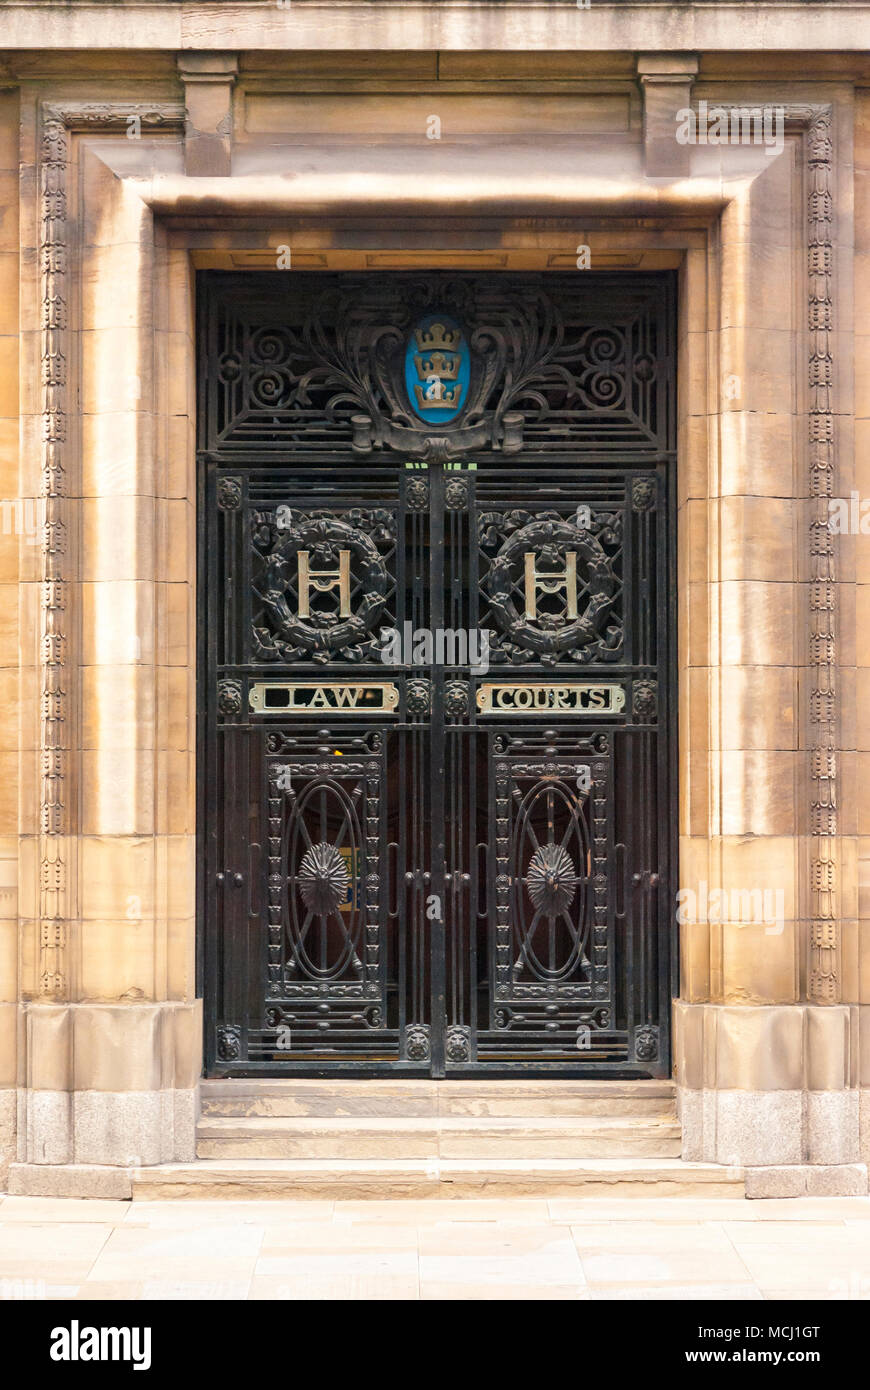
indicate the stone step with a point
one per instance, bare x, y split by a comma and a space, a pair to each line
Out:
341, 1179
509, 1099
354, 1138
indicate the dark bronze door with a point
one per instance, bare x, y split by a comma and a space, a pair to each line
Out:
436, 794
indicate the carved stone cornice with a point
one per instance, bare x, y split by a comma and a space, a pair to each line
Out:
56, 893
113, 116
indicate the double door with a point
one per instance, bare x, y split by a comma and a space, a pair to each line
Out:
437, 821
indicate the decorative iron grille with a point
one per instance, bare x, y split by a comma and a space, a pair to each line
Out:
409, 862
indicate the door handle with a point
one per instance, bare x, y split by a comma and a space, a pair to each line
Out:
235, 880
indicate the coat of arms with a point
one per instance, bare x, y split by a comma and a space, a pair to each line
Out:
437, 369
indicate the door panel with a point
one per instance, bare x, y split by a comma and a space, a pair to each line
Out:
545, 756
436, 779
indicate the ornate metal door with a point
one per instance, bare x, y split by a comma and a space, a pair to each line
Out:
436, 795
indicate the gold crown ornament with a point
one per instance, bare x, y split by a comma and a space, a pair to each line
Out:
437, 336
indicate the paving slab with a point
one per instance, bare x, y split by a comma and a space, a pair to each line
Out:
459, 1249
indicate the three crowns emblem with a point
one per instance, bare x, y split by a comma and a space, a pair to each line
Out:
437, 362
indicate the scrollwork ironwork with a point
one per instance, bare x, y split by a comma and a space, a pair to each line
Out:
551, 366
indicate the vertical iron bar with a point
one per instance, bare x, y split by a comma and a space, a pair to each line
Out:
437, 769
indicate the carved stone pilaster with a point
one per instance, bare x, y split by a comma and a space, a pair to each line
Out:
56, 885
825, 983
54, 867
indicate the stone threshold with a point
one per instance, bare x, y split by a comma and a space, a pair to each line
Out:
381, 1179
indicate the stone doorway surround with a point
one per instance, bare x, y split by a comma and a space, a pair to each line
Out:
101, 1034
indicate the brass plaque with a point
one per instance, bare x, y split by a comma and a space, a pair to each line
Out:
314, 697
547, 697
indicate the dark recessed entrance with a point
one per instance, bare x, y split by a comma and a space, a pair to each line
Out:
436, 808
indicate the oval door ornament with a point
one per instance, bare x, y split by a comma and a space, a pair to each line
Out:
437, 369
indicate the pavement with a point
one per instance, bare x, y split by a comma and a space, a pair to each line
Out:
516, 1248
